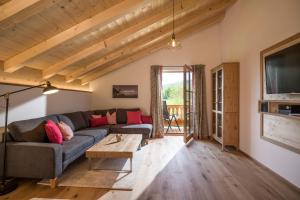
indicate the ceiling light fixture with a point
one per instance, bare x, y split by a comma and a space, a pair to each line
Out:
174, 44
49, 89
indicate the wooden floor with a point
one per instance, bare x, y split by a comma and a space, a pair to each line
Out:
173, 131
175, 171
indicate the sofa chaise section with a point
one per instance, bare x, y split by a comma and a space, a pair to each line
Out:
97, 133
30, 155
74, 148
121, 126
144, 129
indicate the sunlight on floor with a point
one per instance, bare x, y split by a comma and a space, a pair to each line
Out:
155, 159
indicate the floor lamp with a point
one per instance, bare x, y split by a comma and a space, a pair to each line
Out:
8, 185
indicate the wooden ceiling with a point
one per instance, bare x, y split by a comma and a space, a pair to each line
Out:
73, 42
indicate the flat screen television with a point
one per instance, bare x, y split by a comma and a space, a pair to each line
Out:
282, 71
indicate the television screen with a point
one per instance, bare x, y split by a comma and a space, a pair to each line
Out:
283, 71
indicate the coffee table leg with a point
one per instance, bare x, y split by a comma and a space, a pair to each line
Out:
90, 163
130, 164
140, 147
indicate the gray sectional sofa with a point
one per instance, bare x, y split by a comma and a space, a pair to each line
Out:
30, 155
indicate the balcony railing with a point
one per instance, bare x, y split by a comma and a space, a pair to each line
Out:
178, 111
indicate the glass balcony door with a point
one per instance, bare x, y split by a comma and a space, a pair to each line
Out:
188, 98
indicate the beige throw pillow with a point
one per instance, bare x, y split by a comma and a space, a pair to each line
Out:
66, 131
111, 118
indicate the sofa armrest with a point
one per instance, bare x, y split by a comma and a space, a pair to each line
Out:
34, 160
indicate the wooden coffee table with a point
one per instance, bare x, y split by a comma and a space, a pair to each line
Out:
109, 147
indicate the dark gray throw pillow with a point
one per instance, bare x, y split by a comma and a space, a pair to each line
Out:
67, 121
31, 130
77, 120
103, 112
87, 115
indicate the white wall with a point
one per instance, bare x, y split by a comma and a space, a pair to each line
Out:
248, 28
32, 103
201, 48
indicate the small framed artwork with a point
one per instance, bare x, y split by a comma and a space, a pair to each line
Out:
125, 91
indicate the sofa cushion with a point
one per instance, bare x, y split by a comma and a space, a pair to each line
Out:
145, 129
103, 112
31, 130
147, 126
77, 120
87, 116
66, 120
122, 114
75, 145
116, 127
97, 133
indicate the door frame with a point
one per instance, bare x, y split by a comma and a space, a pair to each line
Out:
188, 89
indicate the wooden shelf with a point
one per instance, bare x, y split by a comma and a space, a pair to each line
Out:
272, 107
292, 101
282, 115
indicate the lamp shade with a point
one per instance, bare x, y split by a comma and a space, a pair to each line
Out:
49, 89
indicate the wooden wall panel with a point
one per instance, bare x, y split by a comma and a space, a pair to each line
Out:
282, 129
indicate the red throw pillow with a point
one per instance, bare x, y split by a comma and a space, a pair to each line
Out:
96, 116
146, 119
53, 132
101, 121
134, 117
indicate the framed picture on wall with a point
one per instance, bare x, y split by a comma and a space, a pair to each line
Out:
125, 91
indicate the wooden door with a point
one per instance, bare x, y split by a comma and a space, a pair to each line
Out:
188, 101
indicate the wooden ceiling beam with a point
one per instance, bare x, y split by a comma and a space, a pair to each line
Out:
16, 11
103, 17
158, 44
58, 67
155, 18
115, 39
166, 29
33, 77
13, 7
